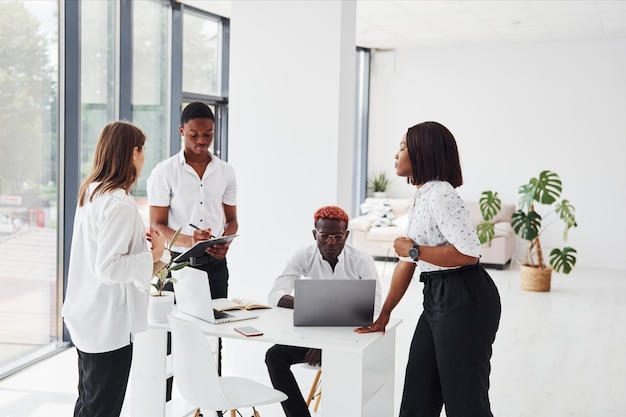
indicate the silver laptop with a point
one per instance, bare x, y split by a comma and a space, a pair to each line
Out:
333, 302
193, 297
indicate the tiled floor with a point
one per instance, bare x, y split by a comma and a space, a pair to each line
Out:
557, 354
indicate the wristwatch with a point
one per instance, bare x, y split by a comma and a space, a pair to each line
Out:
414, 252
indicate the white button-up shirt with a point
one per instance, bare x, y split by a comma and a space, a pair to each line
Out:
191, 199
309, 263
439, 217
109, 274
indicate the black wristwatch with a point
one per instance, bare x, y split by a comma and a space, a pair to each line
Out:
414, 252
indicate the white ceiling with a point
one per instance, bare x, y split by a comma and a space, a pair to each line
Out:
391, 24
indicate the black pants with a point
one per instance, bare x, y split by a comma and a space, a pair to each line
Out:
102, 382
449, 357
279, 359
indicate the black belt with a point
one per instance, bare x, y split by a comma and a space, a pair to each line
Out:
428, 275
199, 260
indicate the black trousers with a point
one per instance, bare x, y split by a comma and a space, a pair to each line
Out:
279, 359
102, 382
449, 357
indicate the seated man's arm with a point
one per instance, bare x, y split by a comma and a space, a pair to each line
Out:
281, 294
286, 301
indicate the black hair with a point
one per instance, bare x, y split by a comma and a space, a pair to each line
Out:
434, 154
196, 110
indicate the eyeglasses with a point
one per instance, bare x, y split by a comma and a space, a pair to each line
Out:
325, 237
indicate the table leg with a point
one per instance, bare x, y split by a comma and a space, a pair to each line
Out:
148, 374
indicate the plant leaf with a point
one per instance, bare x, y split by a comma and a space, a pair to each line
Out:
162, 274
485, 231
174, 239
490, 205
527, 226
548, 187
563, 260
527, 192
178, 266
566, 213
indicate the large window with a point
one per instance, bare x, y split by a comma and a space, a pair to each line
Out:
97, 70
29, 320
150, 86
121, 60
201, 51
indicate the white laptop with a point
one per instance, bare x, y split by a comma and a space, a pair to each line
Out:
333, 302
193, 297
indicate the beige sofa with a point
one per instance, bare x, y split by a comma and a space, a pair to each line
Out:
386, 218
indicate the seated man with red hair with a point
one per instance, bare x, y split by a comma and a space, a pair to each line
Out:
329, 258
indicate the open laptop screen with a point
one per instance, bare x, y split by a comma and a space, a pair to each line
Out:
333, 302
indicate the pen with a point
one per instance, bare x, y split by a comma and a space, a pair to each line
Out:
292, 333
197, 228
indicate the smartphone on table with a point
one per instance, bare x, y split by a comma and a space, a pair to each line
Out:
249, 331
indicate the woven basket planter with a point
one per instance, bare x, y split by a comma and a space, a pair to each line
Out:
535, 279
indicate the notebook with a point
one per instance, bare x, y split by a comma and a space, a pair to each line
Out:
193, 297
333, 302
199, 249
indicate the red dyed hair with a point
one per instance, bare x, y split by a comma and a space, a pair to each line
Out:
332, 213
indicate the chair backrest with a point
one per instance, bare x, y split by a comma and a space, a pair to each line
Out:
194, 368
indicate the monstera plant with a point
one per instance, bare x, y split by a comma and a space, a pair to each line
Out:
544, 193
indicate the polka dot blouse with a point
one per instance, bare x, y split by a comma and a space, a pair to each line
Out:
439, 217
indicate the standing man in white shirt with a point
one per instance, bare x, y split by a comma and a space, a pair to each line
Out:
197, 191
329, 258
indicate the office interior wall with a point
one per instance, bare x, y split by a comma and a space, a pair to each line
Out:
291, 119
516, 110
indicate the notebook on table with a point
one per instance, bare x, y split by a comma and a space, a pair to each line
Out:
333, 302
193, 297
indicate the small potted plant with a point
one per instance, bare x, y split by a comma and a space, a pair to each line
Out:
378, 185
535, 272
161, 301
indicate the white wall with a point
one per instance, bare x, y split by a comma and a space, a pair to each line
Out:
515, 111
291, 120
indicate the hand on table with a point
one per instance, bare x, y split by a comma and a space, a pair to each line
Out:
378, 326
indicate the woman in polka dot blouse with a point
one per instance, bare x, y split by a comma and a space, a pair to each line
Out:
449, 357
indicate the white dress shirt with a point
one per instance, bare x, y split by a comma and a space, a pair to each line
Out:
309, 263
439, 217
109, 274
173, 183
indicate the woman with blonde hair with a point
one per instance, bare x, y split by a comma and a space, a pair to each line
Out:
109, 272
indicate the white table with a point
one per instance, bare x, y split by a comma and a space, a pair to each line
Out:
358, 369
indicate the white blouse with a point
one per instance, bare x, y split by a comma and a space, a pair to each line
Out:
439, 217
109, 274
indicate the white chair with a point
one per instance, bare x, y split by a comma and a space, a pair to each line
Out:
197, 379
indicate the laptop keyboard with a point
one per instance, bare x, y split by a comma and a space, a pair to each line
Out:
220, 314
